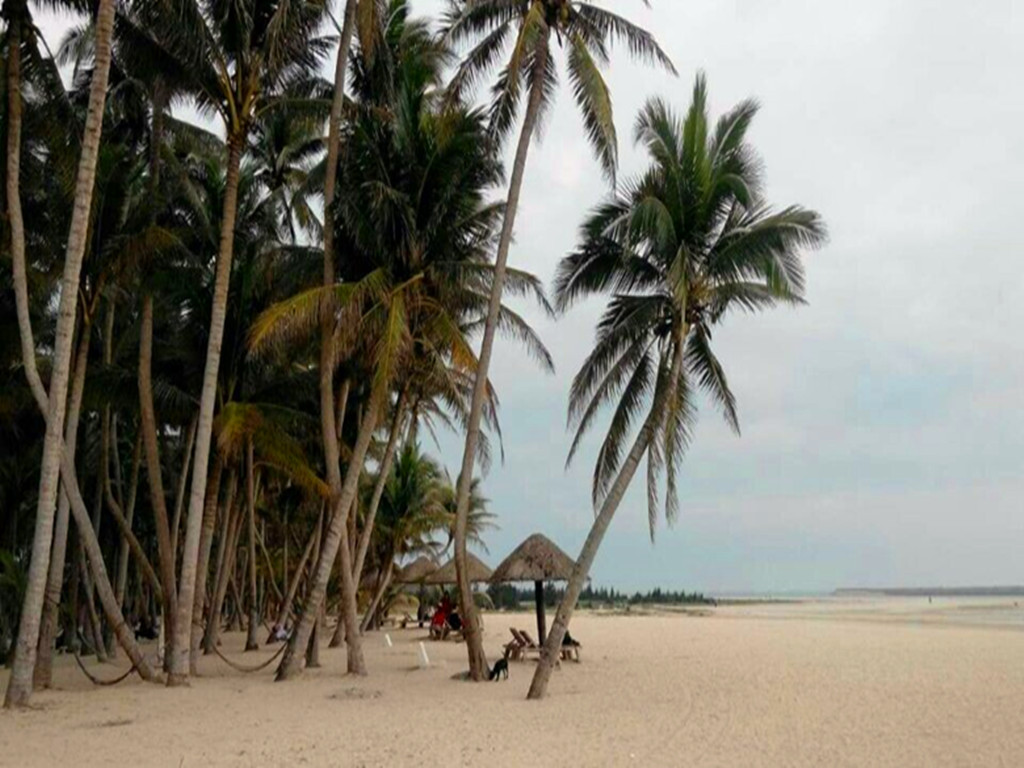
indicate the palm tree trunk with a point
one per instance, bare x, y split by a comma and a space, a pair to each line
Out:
19, 688
342, 408
43, 673
470, 618
179, 655
327, 323
226, 562
378, 489
385, 582
95, 634
334, 138
313, 647
553, 646
122, 555
338, 529
270, 576
293, 588
335, 541
179, 495
340, 630
131, 540
95, 626
205, 546
148, 425
251, 643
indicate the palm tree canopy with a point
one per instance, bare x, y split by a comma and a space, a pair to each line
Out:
524, 27
676, 248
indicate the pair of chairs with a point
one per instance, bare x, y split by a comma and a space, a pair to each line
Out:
523, 647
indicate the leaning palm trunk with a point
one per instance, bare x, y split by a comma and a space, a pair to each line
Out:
337, 535
43, 674
123, 550
148, 425
378, 490
330, 184
251, 644
371, 514
553, 644
178, 667
647, 433
382, 588
19, 688
293, 588
471, 621
328, 407
226, 552
179, 495
205, 546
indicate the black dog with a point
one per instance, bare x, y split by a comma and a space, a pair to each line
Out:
500, 668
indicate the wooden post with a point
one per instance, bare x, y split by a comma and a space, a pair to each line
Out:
538, 591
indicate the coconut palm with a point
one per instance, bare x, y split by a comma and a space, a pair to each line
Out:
242, 58
479, 519
412, 512
678, 248
417, 229
20, 685
585, 31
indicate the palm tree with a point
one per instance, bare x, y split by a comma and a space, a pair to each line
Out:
19, 688
678, 248
242, 59
417, 230
412, 510
586, 32
479, 519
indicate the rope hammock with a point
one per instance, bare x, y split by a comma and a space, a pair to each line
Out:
95, 680
257, 668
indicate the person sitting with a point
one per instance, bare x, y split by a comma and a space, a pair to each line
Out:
439, 621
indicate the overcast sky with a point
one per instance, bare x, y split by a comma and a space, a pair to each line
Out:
883, 425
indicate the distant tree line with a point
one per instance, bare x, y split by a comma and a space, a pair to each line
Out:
511, 597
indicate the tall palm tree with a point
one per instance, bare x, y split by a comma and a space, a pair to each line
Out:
678, 249
417, 229
586, 31
19, 688
242, 57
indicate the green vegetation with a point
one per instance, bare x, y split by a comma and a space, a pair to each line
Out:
221, 350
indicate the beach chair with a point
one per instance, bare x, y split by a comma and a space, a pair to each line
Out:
514, 648
527, 647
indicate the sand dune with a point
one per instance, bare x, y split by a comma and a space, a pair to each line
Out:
878, 682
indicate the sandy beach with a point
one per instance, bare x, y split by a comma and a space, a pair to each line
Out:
835, 682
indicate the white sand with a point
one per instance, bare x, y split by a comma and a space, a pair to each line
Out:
897, 683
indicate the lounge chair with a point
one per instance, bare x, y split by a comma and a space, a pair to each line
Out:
513, 650
526, 647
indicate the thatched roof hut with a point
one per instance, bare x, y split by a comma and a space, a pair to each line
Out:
478, 571
417, 571
536, 559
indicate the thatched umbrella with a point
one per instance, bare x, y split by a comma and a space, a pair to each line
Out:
538, 559
417, 571
478, 571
